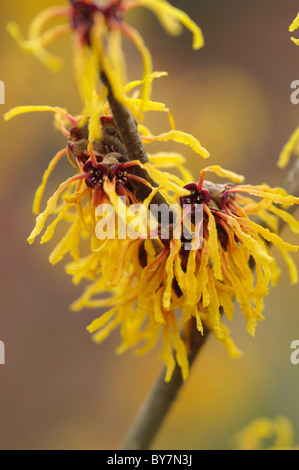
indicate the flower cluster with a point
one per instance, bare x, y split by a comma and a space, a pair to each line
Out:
152, 279
153, 283
170, 285
97, 29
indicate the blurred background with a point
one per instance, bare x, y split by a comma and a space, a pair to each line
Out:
58, 390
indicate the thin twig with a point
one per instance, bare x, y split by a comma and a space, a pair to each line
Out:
291, 181
160, 399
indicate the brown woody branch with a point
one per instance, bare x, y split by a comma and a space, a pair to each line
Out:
161, 398
130, 137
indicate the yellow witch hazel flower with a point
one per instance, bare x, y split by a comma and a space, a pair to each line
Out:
292, 145
293, 27
97, 28
193, 266
277, 432
171, 282
104, 175
189, 252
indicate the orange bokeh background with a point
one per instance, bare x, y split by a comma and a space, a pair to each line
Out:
58, 390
